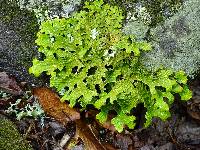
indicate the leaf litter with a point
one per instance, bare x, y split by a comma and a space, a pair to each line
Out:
66, 128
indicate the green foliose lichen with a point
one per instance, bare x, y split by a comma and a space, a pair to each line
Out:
91, 61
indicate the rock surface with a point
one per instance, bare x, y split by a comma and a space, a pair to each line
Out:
18, 30
50, 9
176, 42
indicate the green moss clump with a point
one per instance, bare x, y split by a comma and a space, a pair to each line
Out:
10, 138
21, 21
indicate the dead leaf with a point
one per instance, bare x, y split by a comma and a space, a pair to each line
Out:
107, 124
63, 113
85, 133
109, 146
9, 84
5, 103
52, 105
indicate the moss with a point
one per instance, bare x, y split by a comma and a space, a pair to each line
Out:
22, 21
92, 62
24, 24
10, 138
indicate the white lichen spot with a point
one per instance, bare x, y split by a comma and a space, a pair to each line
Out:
108, 54
71, 39
34, 110
62, 91
52, 39
143, 13
112, 54
94, 33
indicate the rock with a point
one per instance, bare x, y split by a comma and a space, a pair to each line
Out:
150, 12
147, 147
167, 146
50, 9
18, 30
176, 42
188, 133
139, 29
10, 138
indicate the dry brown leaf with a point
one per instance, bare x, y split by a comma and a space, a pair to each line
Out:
84, 132
52, 105
107, 124
9, 84
109, 146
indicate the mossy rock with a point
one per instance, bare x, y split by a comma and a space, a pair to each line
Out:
49, 9
150, 12
10, 138
176, 42
139, 29
142, 15
18, 29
